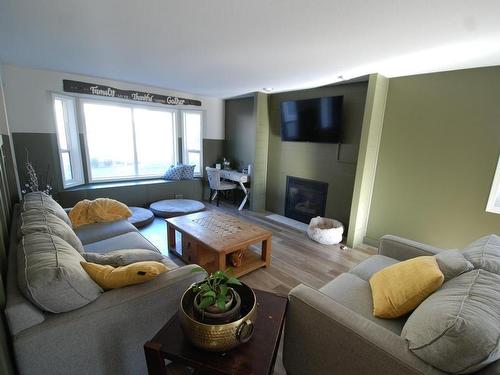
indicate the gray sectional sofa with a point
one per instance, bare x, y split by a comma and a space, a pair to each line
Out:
106, 335
333, 331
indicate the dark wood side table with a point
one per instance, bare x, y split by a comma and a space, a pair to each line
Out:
256, 357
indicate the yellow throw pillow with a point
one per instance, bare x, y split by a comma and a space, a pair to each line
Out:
400, 288
109, 277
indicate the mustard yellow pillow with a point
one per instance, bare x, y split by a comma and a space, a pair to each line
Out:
400, 288
109, 277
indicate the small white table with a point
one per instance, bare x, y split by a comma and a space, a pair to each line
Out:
241, 179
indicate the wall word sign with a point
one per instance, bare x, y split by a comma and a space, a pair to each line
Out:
102, 90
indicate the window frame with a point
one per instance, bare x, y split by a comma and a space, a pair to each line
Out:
131, 106
185, 150
494, 192
72, 140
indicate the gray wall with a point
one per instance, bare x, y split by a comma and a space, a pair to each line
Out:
241, 126
317, 161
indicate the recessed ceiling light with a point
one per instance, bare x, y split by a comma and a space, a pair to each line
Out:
267, 89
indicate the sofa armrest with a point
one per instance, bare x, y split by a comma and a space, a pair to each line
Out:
402, 248
107, 335
324, 337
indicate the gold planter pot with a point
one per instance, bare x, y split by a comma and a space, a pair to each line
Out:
219, 337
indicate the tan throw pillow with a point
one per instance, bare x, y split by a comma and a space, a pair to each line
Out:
400, 288
109, 277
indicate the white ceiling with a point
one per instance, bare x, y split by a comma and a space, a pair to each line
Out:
230, 47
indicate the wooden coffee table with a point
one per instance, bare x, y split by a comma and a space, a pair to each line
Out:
209, 237
256, 357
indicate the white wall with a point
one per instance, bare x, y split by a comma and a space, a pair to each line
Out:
29, 105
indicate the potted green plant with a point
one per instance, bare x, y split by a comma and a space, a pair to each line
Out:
215, 300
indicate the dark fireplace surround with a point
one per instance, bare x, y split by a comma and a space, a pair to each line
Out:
305, 199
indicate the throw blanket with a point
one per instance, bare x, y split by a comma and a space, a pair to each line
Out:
100, 210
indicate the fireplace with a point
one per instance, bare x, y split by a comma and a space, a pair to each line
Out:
304, 198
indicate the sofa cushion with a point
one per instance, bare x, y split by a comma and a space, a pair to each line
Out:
457, 329
50, 274
109, 277
32, 221
41, 201
373, 264
484, 253
100, 231
452, 263
123, 257
398, 289
131, 240
355, 294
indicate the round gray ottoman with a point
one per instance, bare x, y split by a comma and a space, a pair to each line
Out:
140, 217
176, 207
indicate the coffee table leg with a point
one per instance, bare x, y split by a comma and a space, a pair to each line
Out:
154, 359
222, 262
266, 251
170, 238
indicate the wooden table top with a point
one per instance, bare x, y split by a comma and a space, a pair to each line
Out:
221, 232
256, 357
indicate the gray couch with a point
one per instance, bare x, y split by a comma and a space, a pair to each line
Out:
332, 330
107, 335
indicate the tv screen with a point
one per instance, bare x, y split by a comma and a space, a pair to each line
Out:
312, 120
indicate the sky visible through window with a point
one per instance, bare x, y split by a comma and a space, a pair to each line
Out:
116, 151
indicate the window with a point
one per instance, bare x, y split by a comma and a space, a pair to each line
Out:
128, 142
192, 130
494, 199
68, 141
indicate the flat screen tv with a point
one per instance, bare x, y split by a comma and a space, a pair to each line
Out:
312, 120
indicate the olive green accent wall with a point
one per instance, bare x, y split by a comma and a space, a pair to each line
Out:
317, 161
239, 147
439, 149
259, 168
367, 158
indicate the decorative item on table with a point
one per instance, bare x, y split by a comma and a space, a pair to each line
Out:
325, 231
218, 313
218, 166
33, 180
236, 258
227, 164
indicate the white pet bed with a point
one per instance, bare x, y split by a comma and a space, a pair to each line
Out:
325, 231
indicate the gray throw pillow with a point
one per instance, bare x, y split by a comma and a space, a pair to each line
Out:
484, 253
50, 274
43, 221
41, 201
457, 329
123, 257
452, 263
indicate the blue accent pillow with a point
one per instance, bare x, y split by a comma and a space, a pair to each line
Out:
188, 172
175, 172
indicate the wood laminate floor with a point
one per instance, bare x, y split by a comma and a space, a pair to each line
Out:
295, 258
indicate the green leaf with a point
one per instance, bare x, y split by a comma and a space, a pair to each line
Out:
205, 288
223, 290
210, 293
205, 302
233, 281
221, 302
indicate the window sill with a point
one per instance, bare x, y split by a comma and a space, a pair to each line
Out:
107, 185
